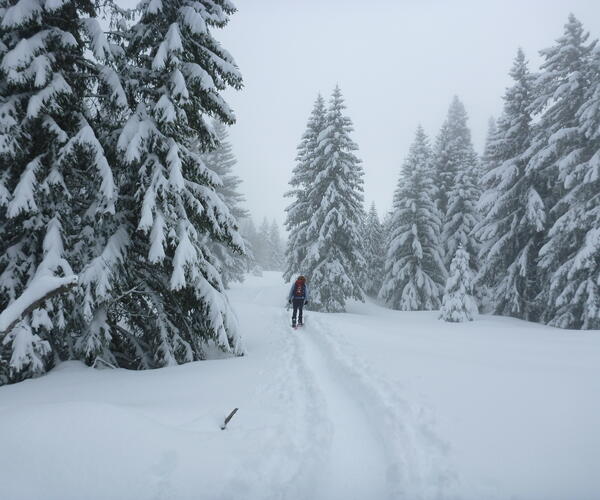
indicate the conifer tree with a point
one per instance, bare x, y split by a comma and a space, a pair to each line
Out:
303, 176
374, 248
262, 247
462, 215
250, 235
514, 214
567, 147
172, 301
276, 252
56, 186
456, 172
334, 258
488, 159
458, 303
231, 264
414, 269
453, 151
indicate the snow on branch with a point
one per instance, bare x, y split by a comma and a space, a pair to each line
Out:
40, 290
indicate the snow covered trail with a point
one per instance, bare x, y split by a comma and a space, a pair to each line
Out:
356, 460
335, 439
372, 403
410, 457
291, 449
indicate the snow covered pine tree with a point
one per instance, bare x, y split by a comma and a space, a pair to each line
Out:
458, 303
575, 291
231, 263
414, 269
250, 235
456, 173
566, 148
511, 230
303, 177
374, 248
487, 159
276, 251
172, 301
262, 250
56, 185
334, 259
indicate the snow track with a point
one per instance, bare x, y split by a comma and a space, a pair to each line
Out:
333, 427
415, 462
291, 448
346, 433
356, 461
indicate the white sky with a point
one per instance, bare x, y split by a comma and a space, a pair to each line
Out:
398, 62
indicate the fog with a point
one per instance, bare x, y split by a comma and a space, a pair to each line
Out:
398, 63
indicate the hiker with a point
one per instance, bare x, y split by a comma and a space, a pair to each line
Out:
298, 297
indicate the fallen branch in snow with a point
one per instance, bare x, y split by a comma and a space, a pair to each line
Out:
229, 417
98, 358
34, 296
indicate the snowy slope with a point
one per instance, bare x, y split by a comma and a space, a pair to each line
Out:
371, 404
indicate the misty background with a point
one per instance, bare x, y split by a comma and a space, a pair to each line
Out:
398, 64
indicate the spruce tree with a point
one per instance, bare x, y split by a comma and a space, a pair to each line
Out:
250, 235
462, 215
570, 257
456, 172
513, 226
334, 258
374, 248
276, 248
414, 269
453, 151
458, 303
488, 159
172, 302
262, 247
303, 177
56, 185
231, 263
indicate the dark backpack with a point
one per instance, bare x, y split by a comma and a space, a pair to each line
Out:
299, 290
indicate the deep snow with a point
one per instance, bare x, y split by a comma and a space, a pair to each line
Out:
371, 404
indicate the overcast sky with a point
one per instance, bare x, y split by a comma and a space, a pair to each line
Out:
398, 62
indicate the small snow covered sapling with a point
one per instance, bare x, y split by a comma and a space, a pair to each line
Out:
458, 304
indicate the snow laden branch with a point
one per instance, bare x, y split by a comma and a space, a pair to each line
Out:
38, 292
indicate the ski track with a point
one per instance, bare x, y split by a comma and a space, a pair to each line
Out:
341, 431
356, 463
416, 461
288, 455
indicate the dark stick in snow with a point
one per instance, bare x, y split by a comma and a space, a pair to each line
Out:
229, 417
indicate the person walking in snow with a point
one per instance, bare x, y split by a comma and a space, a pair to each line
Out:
298, 297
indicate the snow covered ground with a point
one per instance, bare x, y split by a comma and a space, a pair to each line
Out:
373, 404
